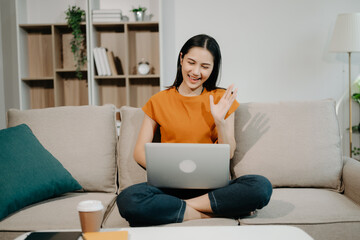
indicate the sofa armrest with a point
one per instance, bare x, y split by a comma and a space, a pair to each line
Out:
351, 178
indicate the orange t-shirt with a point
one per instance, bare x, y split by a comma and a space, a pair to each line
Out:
185, 119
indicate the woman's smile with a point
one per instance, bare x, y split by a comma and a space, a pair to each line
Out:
194, 79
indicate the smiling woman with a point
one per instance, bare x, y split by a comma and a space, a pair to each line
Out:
192, 110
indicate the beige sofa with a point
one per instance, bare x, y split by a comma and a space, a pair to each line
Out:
296, 145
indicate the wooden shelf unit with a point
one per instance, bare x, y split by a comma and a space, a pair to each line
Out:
47, 73
70, 91
48, 69
141, 89
41, 93
131, 42
37, 74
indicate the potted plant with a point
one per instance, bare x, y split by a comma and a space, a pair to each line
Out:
74, 16
356, 128
139, 13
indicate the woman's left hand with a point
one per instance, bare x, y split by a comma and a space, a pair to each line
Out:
220, 109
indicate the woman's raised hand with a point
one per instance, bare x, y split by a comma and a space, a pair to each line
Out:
220, 109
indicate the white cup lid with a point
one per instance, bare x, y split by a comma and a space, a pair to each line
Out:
90, 206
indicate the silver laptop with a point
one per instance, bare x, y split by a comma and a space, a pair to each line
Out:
187, 165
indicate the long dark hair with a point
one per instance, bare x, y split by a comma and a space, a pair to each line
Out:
212, 46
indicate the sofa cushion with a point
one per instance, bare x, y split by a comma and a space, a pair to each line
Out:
351, 179
293, 144
54, 214
130, 172
29, 173
306, 206
323, 214
114, 219
82, 138
332, 231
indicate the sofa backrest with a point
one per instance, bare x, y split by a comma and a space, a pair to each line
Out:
82, 138
130, 172
293, 144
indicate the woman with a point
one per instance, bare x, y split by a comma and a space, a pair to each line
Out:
192, 110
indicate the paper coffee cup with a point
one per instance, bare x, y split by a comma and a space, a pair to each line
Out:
90, 213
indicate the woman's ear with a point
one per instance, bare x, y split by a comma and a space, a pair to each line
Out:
181, 58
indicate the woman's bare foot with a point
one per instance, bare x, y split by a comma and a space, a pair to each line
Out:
191, 214
201, 203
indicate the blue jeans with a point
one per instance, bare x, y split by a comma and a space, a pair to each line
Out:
145, 205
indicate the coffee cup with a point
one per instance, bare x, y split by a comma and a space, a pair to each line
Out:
90, 213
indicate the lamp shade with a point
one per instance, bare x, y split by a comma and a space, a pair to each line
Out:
346, 36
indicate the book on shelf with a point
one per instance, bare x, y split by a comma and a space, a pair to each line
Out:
118, 66
102, 62
95, 20
97, 62
99, 55
112, 15
111, 59
106, 11
107, 15
105, 61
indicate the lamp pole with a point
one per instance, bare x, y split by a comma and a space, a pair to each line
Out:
350, 109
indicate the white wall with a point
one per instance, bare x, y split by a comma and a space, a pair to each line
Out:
273, 50
9, 55
2, 93
40, 11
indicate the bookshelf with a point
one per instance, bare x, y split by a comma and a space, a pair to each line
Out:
37, 76
130, 43
47, 75
69, 90
48, 72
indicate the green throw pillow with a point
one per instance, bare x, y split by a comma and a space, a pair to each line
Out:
28, 172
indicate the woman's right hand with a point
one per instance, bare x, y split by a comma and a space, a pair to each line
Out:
220, 109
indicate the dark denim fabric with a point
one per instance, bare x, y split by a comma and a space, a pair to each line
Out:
145, 205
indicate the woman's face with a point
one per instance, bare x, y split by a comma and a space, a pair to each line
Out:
196, 66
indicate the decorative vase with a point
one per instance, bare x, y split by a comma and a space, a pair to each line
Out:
139, 15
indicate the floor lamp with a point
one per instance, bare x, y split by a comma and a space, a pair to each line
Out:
346, 38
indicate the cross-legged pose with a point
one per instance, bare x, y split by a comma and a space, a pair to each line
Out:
192, 110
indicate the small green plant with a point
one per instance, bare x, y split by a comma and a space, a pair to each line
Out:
139, 9
356, 129
74, 16
356, 97
356, 151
